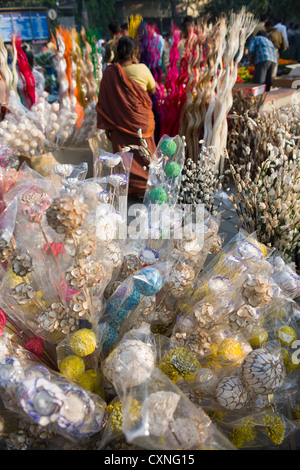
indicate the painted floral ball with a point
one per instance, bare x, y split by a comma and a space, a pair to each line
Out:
158, 195
83, 342
263, 372
172, 170
231, 393
168, 147
148, 281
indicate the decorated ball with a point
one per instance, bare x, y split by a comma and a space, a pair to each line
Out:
110, 336
158, 195
263, 372
231, 393
258, 337
168, 147
286, 335
83, 342
172, 170
72, 366
132, 301
148, 281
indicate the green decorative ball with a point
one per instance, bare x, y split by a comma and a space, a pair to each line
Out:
172, 170
168, 147
158, 195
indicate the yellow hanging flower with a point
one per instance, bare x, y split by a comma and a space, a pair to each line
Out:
244, 433
275, 428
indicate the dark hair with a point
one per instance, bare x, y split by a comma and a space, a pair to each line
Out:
269, 23
126, 47
114, 26
29, 55
261, 33
124, 26
187, 19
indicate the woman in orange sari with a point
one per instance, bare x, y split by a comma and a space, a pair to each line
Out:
125, 106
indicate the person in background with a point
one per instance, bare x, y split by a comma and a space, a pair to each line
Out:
283, 29
261, 25
157, 41
187, 29
125, 106
166, 53
111, 45
264, 56
277, 39
124, 30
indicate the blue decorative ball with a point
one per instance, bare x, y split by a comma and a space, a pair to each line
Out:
120, 317
109, 335
172, 170
132, 300
115, 301
168, 147
148, 281
158, 195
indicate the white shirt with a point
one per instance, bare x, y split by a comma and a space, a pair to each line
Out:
282, 29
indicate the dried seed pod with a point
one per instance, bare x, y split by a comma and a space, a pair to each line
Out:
231, 393
66, 213
56, 318
244, 318
161, 315
131, 264
256, 292
180, 280
89, 273
81, 243
197, 341
204, 315
79, 306
34, 205
262, 372
21, 263
189, 246
112, 255
217, 245
7, 246
23, 293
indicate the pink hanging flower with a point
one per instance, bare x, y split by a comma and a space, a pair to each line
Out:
56, 248
2, 318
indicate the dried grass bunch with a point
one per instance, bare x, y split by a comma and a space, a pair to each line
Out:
269, 203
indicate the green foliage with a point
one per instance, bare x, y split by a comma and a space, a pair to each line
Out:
100, 13
284, 9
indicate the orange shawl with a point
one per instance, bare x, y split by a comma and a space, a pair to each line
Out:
123, 105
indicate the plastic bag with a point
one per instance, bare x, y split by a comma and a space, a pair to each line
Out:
48, 399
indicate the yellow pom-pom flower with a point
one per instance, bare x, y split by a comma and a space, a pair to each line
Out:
72, 367
89, 381
83, 342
